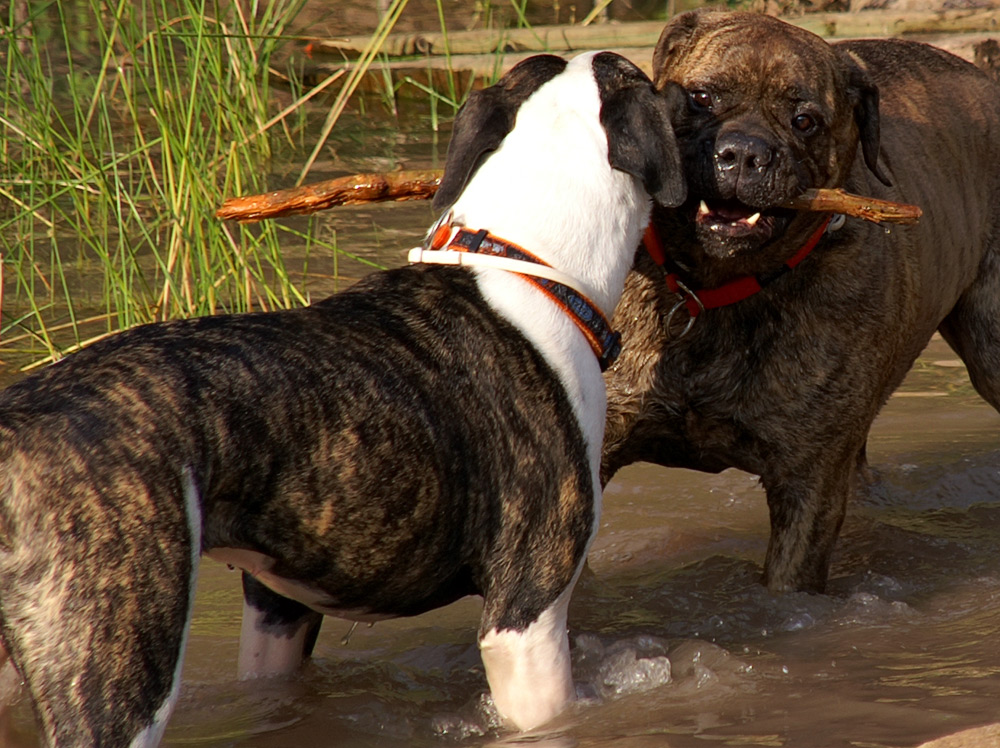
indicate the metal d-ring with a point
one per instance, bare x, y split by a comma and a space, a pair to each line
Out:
682, 302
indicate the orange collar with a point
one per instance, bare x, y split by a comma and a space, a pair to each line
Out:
585, 314
728, 293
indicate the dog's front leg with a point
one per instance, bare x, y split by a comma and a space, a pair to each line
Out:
277, 634
806, 510
529, 670
10, 684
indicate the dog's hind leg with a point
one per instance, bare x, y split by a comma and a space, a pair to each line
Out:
96, 587
277, 633
972, 329
529, 670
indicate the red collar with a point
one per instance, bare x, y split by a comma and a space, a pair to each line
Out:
733, 291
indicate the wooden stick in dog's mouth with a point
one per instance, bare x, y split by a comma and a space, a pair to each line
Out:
869, 208
421, 185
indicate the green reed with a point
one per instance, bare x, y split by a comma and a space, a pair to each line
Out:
122, 126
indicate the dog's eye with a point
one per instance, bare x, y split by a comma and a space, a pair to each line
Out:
701, 99
804, 122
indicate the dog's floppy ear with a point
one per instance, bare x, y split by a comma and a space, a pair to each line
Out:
637, 121
864, 96
485, 120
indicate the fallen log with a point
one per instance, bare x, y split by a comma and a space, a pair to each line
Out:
421, 185
642, 34
556, 39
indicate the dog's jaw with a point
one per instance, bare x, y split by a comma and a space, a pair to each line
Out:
729, 226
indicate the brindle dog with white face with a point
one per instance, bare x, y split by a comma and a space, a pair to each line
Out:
785, 376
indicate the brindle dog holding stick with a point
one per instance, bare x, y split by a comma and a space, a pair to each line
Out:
784, 378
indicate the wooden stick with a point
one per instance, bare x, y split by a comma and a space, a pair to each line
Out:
349, 190
421, 185
868, 208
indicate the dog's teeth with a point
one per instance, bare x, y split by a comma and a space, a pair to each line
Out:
702, 209
752, 220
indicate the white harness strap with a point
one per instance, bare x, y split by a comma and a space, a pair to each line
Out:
452, 257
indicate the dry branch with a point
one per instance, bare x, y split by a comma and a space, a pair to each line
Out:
421, 185
868, 208
349, 190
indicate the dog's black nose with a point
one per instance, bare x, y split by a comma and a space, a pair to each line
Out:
741, 161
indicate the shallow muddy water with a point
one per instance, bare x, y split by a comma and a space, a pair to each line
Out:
675, 643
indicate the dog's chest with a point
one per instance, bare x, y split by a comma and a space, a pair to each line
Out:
714, 397
702, 427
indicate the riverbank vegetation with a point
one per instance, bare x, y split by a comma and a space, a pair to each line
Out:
120, 127
124, 125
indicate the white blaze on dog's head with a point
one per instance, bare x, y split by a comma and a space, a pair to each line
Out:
561, 158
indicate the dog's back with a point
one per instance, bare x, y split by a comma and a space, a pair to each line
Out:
941, 141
